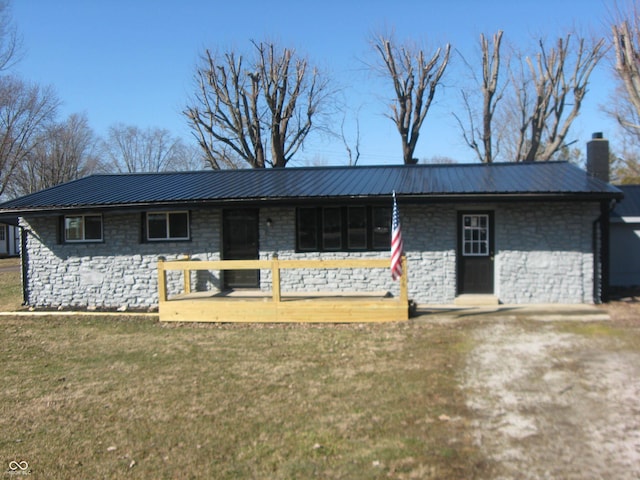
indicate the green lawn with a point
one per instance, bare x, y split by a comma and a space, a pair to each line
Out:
10, 286
128, 397
125, 397
95, 397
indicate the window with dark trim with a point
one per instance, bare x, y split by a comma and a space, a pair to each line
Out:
381, 228
332, 228
163, 226
343, 228
82, 228
357, 228
307, 229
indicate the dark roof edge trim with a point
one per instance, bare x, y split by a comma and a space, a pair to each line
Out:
402, 199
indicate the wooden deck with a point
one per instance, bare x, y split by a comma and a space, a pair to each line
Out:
275, 306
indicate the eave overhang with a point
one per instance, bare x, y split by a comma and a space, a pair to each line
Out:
411, 199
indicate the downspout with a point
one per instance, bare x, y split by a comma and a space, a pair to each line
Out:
24, 261
605, 208
601, 261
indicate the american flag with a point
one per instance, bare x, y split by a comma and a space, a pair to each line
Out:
396, 242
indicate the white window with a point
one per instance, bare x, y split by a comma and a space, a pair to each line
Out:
83, 228
475, 235
167, 226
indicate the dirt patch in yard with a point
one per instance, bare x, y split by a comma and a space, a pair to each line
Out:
559, 399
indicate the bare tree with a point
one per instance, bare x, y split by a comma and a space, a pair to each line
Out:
439, 160
625, 169
259, 111
10, 41
131, 149
481, 138
548, 90
625, 105
24, 110
189, 157
353, 150
415, 78
62, 152
621, 108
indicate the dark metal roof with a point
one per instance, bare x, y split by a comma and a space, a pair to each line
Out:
549, 180
630, 205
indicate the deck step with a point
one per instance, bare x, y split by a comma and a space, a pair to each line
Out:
476, 300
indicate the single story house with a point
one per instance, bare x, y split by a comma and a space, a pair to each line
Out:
520, 233
625, 239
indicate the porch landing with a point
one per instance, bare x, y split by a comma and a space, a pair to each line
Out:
476, 300
259, 307
276, 306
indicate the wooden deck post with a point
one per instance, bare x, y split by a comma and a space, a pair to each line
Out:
162, 281
404, 294
275, 278
187, 276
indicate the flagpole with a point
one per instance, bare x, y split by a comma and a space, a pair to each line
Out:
397, 245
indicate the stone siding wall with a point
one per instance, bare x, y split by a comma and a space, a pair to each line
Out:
121, 271
543, 254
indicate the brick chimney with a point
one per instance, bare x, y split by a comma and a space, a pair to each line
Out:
598, 157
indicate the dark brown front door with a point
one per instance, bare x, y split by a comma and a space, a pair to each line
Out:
475, 252
240, 242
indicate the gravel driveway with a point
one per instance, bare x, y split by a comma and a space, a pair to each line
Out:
554, 400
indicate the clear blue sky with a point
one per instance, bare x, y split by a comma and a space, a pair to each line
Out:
133, 61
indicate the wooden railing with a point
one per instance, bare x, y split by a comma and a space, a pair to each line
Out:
311, 307
275, 265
